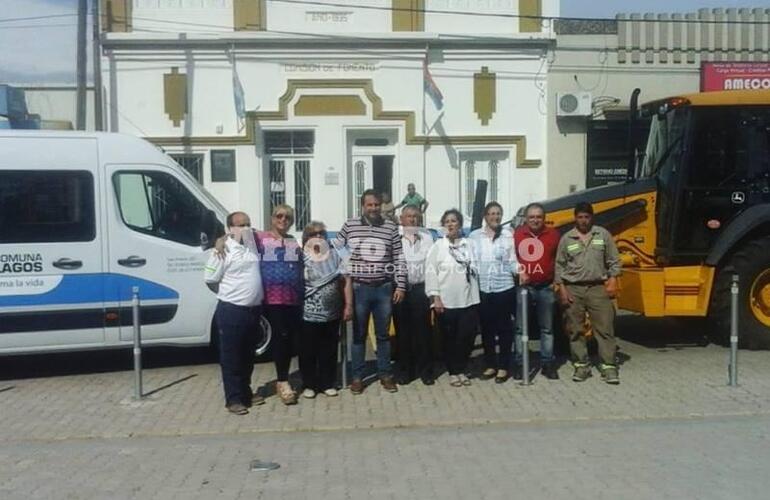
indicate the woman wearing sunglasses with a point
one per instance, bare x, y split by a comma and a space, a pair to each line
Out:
328, 298
282, 267
451, 281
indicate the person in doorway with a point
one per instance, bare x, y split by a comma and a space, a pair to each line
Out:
536, 246
237, 282
282, 278
413, 198
376, 265
412, 315
451, 281
328, 298
493, 250
587, 270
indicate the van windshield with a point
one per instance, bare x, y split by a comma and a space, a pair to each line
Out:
665, 143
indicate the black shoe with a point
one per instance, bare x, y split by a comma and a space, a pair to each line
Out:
549, 371
427, 380
237, 408
518, 374
403, 380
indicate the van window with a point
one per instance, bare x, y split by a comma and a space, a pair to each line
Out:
158, 204
46, 206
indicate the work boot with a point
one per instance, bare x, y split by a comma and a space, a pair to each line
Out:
610, 374
582, 372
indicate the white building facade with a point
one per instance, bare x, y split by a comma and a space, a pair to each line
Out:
310, 103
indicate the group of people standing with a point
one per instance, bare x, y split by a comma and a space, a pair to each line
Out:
375, 270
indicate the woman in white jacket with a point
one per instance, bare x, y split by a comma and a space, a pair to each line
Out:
451, 281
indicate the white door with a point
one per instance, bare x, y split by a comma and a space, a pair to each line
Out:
51, 275
154, 235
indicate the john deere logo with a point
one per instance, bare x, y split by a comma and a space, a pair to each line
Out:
738, 197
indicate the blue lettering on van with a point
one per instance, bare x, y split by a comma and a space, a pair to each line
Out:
21, 263
93, 288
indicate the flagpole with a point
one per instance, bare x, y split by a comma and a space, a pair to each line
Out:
425, 139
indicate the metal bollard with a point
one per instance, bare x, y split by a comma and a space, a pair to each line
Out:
344, 353
733, 369
135, 304
524, 312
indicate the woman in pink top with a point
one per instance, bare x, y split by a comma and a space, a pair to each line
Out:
282, 280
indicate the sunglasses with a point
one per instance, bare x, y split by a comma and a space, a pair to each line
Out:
282, 216
245, 224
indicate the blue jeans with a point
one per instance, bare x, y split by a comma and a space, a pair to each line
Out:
542, 300
375, 301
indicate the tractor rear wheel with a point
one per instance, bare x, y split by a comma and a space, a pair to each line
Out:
752, 265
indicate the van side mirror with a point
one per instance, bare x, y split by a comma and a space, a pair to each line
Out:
211, 229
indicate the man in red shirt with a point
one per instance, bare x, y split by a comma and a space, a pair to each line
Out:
536, 246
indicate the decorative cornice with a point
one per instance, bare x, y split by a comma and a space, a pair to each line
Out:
378, 114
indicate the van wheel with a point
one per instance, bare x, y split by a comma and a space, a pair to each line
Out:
265, 335
752, 265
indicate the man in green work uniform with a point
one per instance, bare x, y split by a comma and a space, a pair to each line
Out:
587, 267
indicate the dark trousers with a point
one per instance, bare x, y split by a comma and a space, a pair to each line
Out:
237, 327
413, 334
318, 354
286, 322
458, 327
495, 313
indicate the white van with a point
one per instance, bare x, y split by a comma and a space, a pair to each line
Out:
84, 217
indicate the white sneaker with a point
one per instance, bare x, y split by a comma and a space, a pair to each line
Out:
464, 380
331, 392
455, 381
308, 393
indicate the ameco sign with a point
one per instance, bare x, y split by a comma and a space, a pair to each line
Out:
734, 76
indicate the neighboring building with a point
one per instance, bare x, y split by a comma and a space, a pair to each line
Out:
596, 66
57, 105
310, 103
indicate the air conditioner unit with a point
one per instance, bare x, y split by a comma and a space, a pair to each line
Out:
573, 104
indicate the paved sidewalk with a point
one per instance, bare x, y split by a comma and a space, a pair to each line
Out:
657, 382
707, 459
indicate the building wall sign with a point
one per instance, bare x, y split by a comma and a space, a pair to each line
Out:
735, 76
330, 67
331, 16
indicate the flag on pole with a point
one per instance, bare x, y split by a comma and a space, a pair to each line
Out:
429, 85
238, 96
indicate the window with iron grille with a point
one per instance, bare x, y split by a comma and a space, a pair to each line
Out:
301, 193
470, 186
360, 180
193, 163
299, 142
493, 171
276, 171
